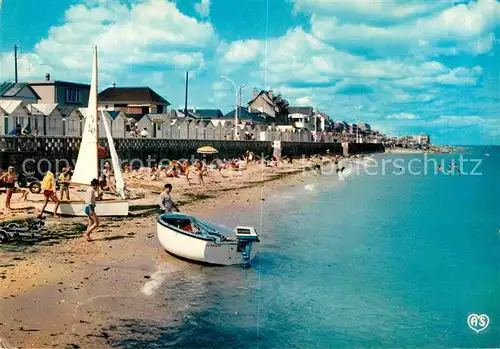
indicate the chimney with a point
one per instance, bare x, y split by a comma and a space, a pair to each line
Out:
255, 93
47, 76
113, 84
194, 110
270, 93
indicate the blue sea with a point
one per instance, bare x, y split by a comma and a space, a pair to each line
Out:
394, 260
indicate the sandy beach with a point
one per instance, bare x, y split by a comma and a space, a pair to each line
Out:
51, 288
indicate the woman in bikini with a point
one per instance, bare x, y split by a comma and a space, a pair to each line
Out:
109, 177
186, 167
9, 178
199, 172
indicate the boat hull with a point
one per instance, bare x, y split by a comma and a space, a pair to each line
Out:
111, 208
199, 250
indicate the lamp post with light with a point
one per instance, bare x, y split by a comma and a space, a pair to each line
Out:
236, 89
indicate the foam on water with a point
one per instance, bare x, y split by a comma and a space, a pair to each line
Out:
310, 187
158, 278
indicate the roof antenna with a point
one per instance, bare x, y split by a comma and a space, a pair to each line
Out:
15, 62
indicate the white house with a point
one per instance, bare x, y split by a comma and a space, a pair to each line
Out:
301, 117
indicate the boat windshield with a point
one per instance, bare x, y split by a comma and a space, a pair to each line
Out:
197, 226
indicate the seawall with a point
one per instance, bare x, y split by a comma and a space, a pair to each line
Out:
44, 151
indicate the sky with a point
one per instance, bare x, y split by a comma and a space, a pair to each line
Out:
405, 67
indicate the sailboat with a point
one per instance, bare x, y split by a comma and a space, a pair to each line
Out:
87, 164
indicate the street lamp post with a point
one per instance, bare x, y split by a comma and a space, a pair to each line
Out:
239, 109
357, 128
235, 104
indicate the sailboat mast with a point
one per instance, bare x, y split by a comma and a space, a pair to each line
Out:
96, 110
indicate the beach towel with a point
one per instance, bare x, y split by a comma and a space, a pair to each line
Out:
48, 182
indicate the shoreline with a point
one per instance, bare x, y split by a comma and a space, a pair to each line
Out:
58, 275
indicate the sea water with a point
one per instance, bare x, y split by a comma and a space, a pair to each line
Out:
374, 260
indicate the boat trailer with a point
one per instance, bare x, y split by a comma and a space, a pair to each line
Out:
34, 228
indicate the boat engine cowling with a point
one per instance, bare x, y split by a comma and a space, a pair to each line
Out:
245, 237
246, 234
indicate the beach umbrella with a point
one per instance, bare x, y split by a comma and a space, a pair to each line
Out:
207, 150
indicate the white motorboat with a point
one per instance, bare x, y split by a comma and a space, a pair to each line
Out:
87, 164
195, 240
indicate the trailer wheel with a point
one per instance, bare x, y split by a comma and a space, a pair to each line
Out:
35, 188
3, 237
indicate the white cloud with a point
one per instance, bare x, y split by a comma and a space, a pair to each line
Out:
304, 101
242, 51
203, 8
402, 116
145, 32
373, 11
29, 66
463, 28
299, 57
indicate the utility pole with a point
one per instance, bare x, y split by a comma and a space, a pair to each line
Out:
186, 99
15, 62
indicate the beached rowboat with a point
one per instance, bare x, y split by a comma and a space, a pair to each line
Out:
189, 238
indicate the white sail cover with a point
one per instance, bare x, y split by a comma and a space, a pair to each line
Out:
87, 164
120, 184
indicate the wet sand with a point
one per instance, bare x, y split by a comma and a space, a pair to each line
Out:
62, 291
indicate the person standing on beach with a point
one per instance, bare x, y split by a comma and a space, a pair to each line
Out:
9, 178
166, 203
90, 198
199, 172
186, 168
48, 187
64, 180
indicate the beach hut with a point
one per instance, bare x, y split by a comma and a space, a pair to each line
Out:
175, 128
159, 122
13, 112
73, 121
219, 131
209, 131
52, 119
145, 123
183, 129
119, 124
167, 128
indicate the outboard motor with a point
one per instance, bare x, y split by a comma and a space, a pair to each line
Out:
246, 236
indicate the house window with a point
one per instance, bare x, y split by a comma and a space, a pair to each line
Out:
72, 95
